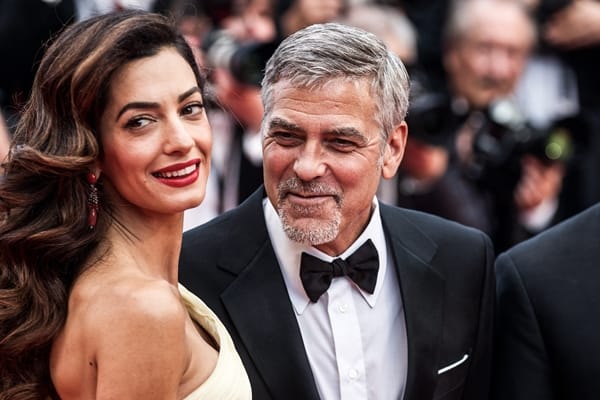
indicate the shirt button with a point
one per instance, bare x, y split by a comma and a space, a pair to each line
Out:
353, 374
343, 308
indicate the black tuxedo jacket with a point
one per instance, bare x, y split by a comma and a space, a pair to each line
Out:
445, 272
548, 331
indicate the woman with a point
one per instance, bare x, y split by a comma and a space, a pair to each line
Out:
112, 147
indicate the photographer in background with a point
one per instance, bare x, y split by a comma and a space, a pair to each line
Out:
486, 46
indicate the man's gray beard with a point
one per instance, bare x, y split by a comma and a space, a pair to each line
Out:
317, 232
326, 231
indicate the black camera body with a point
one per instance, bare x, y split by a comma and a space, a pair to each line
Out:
503, 137
431, 119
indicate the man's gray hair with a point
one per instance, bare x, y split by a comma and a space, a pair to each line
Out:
315, 55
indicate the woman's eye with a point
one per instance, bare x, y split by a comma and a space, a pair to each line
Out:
138, 122
192, 109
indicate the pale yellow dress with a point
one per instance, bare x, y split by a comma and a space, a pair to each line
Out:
229, 380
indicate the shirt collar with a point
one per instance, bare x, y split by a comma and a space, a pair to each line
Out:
288, 254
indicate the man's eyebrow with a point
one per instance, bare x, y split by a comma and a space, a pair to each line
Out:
280, 123
348, 132
151, 105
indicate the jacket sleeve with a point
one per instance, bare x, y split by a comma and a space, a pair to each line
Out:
521, 366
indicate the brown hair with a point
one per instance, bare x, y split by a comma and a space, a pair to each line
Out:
45, 240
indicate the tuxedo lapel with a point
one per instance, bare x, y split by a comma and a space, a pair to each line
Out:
422, 295
261, 311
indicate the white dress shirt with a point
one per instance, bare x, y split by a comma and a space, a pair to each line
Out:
355, 341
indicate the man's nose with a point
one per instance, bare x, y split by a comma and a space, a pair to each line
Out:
310, 162
501, 64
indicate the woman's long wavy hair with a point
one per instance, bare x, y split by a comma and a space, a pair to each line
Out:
45, 239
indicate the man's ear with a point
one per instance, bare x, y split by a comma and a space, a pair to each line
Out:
394, 150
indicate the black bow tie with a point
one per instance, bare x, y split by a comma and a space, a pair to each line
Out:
361, 267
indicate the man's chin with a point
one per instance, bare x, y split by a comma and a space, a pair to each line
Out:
310, 231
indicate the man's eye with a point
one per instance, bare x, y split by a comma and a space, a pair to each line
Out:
342, 144
286, 138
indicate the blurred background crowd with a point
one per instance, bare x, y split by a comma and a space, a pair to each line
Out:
504, 122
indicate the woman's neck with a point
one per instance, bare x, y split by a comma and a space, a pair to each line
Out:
150, 245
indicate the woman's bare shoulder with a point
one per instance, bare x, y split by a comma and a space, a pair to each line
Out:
123, 325
132, 302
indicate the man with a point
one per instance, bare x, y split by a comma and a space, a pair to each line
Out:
487, 44
491, 60
549, 314
418, 324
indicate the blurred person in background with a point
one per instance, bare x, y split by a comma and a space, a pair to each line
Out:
486, 47
251, 20
294, 15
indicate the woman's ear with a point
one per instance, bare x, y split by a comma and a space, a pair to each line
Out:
394, 150
96, 169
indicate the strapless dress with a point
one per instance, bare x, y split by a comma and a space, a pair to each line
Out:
229, 380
